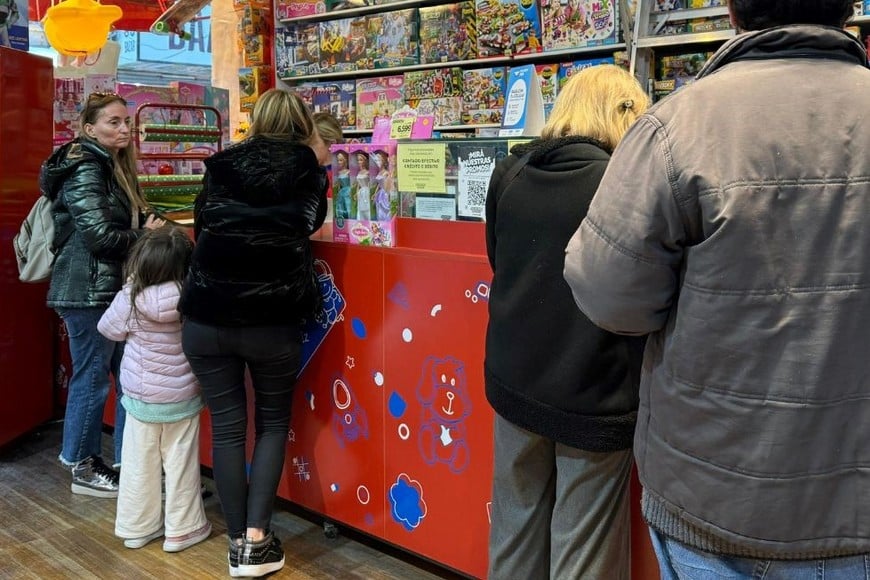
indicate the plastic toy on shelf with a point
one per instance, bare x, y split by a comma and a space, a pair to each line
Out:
172, 142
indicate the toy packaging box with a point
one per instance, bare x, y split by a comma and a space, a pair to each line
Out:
296, 8
668, 5
337, 98
579, 23
674, 72
508, 27
298, 50
378, 97
448, 33
253, 82
69, 96
365, 197
343, 45
566, 69
392, 38
549, 75
483, 95
436, 92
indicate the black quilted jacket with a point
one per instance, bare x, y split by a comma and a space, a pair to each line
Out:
252, 266
89, 203
548, 369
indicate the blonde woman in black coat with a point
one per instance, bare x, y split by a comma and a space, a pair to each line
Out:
564, 391
250, 284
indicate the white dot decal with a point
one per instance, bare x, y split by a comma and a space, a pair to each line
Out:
379, 379
407, 335
404, 432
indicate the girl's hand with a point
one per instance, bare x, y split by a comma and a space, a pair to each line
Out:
152, 222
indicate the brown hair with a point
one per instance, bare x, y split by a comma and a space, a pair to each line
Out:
126, 173
160, 255
281, 114
599, 102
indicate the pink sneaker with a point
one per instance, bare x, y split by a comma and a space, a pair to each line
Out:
179, 543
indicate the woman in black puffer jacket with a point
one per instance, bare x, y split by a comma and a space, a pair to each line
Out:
97, 210
250, 284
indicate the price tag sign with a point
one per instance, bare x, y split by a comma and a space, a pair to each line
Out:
401, 128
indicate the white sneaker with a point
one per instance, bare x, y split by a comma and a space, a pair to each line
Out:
136, 543
180, 543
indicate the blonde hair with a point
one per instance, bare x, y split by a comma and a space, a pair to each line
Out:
281, 114
126, 172
599, 102
329, 128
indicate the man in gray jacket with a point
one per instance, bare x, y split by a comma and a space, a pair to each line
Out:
732, 225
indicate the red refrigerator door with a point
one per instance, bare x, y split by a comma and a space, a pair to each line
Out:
26, 360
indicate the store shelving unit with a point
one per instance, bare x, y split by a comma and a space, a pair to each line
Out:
172, 188
469, 64
645, 38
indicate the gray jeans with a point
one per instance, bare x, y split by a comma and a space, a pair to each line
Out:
557, 512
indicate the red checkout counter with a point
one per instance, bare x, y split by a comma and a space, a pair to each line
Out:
391, 432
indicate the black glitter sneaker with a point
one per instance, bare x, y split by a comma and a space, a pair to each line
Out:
236, 545
256, 559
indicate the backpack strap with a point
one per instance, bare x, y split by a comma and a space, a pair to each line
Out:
513, 172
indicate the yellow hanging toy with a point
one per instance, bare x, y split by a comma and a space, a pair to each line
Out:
79, 27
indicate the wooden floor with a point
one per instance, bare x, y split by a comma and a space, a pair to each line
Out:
47, 532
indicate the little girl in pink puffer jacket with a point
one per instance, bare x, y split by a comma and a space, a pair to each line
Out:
161, 396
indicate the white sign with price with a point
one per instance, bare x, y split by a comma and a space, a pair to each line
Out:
524, 105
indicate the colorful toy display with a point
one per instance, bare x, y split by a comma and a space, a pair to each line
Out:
298, 50
508, 27
448, 33
436, 92
566, 69
673, 72
365, 196
378, 97
392, 39
578, 23
549, 75
483, 95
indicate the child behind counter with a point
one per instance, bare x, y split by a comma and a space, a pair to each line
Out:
161, 395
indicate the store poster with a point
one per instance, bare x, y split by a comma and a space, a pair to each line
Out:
476, 165
14, 24
421, 170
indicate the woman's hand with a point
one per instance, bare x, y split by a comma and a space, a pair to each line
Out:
152, 222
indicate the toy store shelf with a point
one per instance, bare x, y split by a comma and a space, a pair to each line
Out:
682, 39
379, 8
689, 13
490, 61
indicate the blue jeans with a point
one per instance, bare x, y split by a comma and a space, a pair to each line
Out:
219, 356
93, 356
678, 561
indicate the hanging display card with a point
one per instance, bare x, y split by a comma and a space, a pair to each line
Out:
524, 105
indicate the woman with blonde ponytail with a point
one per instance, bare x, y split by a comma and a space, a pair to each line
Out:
564, 391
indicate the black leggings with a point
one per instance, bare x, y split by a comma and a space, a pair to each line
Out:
219, 356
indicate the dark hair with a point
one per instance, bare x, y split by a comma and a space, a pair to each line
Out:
761, 14
160, 255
